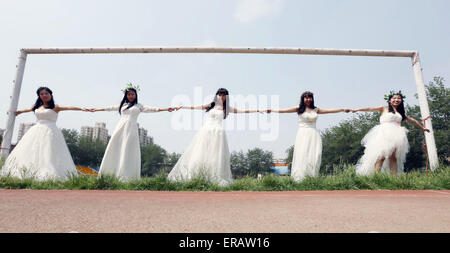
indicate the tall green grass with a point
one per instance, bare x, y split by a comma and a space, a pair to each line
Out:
346, 179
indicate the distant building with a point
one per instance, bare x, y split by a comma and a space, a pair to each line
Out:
144, 140
98, 132
23, 128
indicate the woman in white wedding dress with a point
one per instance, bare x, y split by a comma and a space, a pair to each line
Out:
208, 155
122, 156
308, 143
387, 142
42, 153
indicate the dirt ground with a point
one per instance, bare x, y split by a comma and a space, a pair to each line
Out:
224, 212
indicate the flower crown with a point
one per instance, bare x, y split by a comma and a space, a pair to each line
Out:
307, 93
130, 86
392, 93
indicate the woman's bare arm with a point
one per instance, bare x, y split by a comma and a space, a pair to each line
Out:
285, 110
323, 111
370, 109
417, 124
22, 111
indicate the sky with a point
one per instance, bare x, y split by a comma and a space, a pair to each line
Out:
92, 81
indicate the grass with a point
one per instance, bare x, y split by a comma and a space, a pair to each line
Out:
344, 180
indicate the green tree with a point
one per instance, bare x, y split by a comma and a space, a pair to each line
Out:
260, 161
342, 143
153, 159
238, 163
91, 152
71, 137
172, 159
252, 163
84, 151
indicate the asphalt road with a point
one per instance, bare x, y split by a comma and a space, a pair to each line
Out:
224, 212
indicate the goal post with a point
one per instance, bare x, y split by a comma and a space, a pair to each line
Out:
414, 55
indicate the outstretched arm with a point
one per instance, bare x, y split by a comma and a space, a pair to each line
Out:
234, 110
194, 107
22, 111
156, 109
69, 108
323, 111
417, 124
369, 109
108, 108
285, 110
166, 109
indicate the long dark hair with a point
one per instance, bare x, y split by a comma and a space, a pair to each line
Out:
224, 92
39, 101
400, 107
125, 99
302, 106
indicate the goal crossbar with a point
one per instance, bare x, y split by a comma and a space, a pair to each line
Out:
414, 55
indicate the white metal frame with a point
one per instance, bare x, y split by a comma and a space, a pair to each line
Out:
414, 55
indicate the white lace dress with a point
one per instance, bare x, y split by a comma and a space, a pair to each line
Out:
207, 155
308, 147
381, 141
42, 153
123, 154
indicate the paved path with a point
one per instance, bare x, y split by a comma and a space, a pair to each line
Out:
224, 212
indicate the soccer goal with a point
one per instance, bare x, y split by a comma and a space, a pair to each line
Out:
414, 55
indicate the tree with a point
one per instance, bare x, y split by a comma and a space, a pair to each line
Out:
260, 161
153, 159
71, 138
91, 152
290, 157
239, 164
342, 143
84, 151
254, 162
172, 159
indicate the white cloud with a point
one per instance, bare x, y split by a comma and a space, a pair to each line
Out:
251, 10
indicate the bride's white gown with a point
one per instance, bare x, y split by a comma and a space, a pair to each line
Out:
381, 141
123, 154
308, 147
42, 153
207, 155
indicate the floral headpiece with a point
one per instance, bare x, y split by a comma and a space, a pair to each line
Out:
392, 93
307, 93
130, 86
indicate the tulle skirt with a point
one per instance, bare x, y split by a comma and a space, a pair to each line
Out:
42, 154
381, 142
307, 153
122, 157
206, 156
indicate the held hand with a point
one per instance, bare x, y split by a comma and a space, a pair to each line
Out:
86, 109
426, 130
17, 112
268, 110
347, 110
